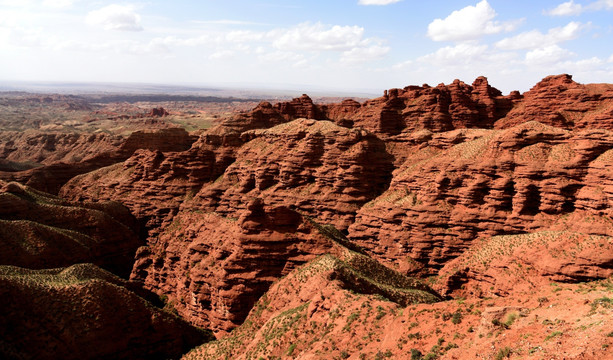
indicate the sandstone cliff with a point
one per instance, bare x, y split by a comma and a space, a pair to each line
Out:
511, 181
88, 154
214, 269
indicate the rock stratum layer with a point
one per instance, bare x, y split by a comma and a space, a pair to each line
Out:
213, 269
72, 155
511, 181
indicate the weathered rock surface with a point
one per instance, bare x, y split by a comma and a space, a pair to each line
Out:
322, 169
440, 108
455, 180
50, 178
317, 167
502, 264
213, 269
511, 181
559, 101
83, 312
314, 313
48, 148
154, 184
40, 231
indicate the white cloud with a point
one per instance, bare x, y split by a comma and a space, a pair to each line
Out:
115, 17
16, 3
566, 9
27, 37
570, 8
221, 54
600, 5
227, 22
240, 36
377, 2
469, 23
285, 56
591, 64
363, 54
610, 59
318, 37
58, 3
536, 39
551, 54
452, 55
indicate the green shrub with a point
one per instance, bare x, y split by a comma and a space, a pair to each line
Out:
511, 317
431, 356
553, 334
456, 318
416, 354
505, 352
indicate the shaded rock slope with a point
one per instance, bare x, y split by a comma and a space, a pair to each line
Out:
84, 312
39, 231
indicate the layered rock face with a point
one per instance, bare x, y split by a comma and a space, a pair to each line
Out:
440, 108
453, 180
511, 181
313, 313
213, 269
40, 231
319, 168
48, 148
154, 184
559, 101
52, 177
322, 169
350, 287
83, 312
502, 264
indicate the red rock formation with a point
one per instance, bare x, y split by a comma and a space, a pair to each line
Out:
440, 108
154, 184
213, 269
39, 231
502, 264
341, 113
83, 312
517, 180
48, 148
315, 313
52, 177
322, 169
559, 101
158, 112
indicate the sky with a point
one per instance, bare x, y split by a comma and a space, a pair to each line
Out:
344, 45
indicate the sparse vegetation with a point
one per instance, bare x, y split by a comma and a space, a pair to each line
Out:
503, 353
553, 335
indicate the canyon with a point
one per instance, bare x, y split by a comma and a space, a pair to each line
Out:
446, 221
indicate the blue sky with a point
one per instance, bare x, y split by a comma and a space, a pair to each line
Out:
347, 45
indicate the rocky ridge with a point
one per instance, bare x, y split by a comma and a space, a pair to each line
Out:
81, 312
40, 231
214, 268
51, 177
516, 180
